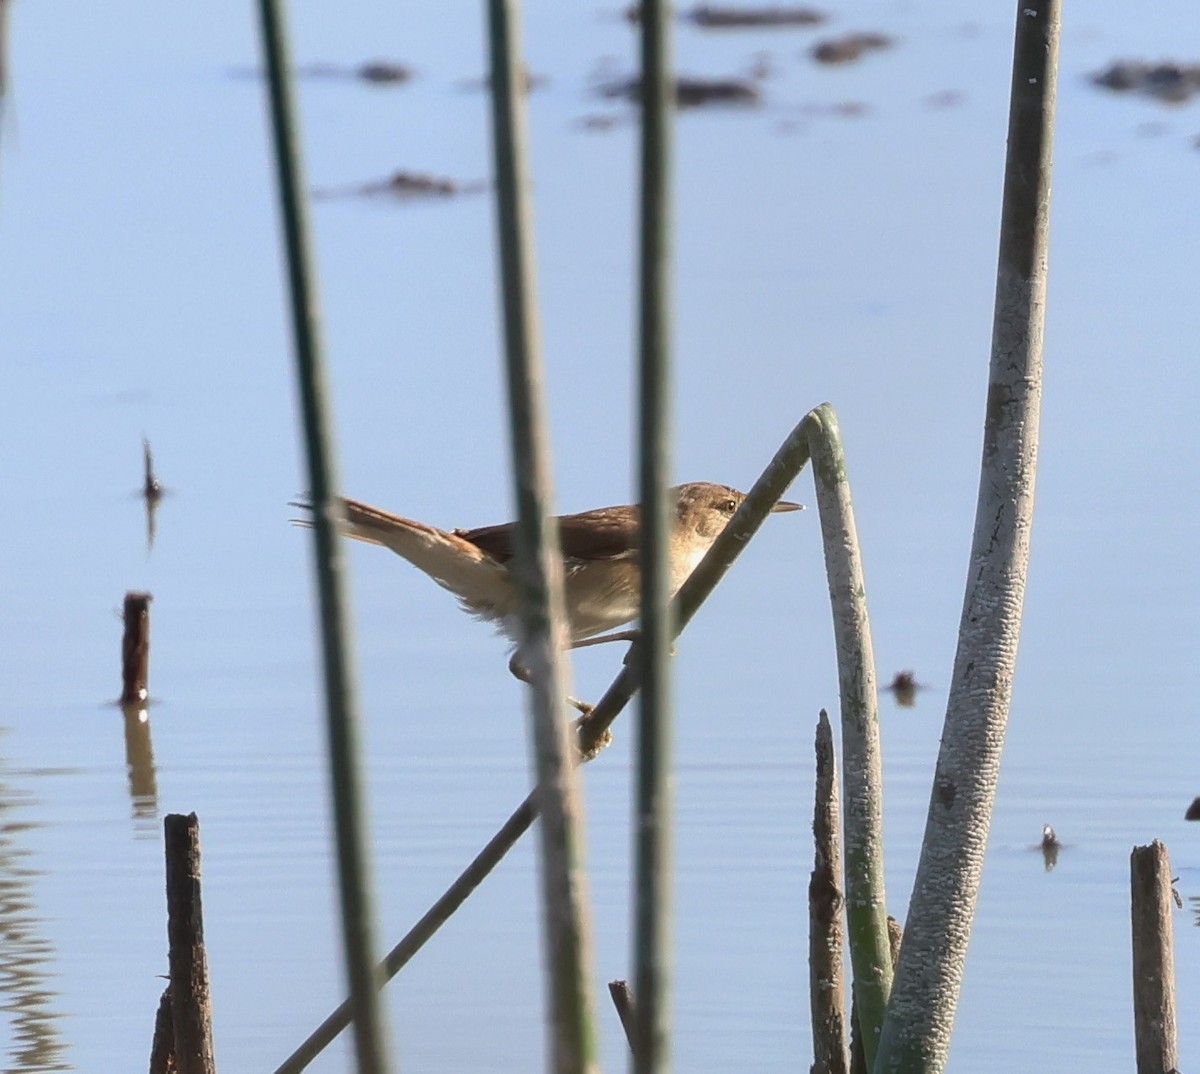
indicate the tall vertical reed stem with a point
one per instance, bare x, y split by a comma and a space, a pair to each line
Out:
341, 706
538, 569
653, 807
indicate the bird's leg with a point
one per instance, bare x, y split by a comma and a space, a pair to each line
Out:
631, 636
523, 673
620, 635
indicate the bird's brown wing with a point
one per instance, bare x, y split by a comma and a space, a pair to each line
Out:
605, 533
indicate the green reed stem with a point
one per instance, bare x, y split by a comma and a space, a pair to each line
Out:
538, 570
341, 707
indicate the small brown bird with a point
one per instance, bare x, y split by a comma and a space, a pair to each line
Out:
600, 556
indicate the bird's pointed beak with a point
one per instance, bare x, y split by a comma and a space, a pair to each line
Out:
786, 505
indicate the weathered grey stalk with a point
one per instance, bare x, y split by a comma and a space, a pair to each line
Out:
1154, 1023
827, 993
653, 810
191, 1006
538, 570
341, 704
622, 997
916, 1035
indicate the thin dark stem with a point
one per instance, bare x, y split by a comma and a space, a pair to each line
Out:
538, 570
342, 719
653, 810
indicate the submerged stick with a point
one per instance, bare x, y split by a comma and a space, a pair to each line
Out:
1154, 1020
191, 1008
135, 649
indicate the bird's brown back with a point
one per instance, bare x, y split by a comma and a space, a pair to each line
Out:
604, 533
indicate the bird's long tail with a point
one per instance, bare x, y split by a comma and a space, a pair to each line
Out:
476, 578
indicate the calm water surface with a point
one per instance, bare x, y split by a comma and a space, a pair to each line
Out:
848, 259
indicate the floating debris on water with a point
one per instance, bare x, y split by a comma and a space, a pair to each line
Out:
1168, 82
904, 688
849, 48
944, 99
723, 17
727, 17
374, 72
690, 91
600, 121
797, 119
407, 186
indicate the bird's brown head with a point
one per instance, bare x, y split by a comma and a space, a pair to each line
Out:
706, 508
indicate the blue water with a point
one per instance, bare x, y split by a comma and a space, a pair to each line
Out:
848, 259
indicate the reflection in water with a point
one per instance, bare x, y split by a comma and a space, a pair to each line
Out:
139, 760
24, 993
151, 521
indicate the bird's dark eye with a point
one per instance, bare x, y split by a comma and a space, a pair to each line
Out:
729, 506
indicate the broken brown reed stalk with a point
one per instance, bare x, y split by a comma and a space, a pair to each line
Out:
816, 437
162, 1048
827, 990
622, 997
191, 1007
135, 649
1154, 1019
